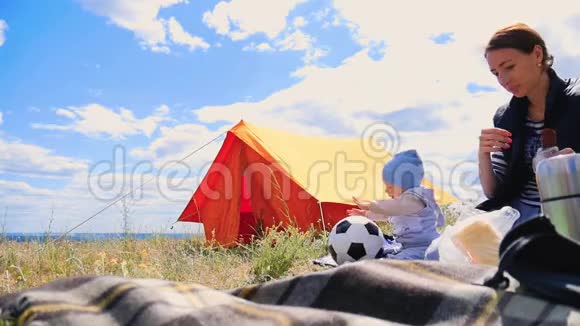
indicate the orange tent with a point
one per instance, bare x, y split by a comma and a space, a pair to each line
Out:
262, 177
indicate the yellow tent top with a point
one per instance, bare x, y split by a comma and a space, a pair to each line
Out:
331, 169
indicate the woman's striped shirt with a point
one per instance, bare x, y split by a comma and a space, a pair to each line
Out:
529, 194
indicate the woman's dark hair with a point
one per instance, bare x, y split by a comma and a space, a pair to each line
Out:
521, 37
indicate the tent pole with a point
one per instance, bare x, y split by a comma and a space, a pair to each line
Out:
198, 214
197, 207
322, 216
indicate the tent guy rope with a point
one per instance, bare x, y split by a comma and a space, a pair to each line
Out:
139, 187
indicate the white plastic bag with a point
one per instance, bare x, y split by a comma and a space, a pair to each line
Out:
476, 239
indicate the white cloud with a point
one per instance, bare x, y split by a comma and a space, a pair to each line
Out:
29, 208
320, 15
137, 16
177, 141
95, 120
3, 28
293, 41
160, 49
472, 27
8, 187
299, 22
296, 41
90, 187
180, 36
313, 54
66, 113
162, 110
262, 47
142, 18
32, 160
1, 118
166, 189
238, 19
363, 84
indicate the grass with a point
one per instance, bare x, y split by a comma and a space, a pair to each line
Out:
277, 254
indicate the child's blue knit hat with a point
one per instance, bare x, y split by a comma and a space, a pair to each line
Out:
404, 170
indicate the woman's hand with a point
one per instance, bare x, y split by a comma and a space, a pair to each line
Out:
362, 204
494, 140
566, 150
356, 211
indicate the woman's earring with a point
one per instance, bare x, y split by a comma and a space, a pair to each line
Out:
539, 64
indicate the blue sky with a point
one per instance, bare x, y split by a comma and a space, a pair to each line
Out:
160, 78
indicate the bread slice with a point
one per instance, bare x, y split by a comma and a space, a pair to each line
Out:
479, 242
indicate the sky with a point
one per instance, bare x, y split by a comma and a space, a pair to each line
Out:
101, 97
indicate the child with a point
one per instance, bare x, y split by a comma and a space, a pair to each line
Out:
412, 211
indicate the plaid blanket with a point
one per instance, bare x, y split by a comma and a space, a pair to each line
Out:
377, 292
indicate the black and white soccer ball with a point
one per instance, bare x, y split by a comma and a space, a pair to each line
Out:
355, 238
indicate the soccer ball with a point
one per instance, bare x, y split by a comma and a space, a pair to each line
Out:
355, 238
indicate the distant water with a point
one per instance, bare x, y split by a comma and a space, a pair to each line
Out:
23, 237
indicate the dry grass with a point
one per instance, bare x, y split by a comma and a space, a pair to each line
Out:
28, 264
276, 255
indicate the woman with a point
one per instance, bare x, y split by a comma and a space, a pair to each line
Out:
518, 57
